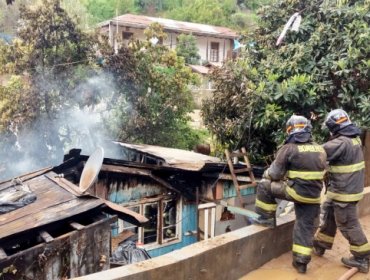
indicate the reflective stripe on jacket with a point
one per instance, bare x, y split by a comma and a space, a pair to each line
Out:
304, 165
346, 168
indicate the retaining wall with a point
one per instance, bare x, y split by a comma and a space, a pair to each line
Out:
227, 256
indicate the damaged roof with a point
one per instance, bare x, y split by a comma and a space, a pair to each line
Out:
142, 22
182, 159
57, 199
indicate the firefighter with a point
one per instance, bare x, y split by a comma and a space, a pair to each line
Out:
345, 187
295, 175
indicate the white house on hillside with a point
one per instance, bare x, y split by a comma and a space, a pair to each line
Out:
215, 43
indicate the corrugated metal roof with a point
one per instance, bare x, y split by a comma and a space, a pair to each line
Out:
182, 159
140, 21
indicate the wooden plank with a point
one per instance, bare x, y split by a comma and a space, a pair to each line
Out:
124, 169
125, 214
228, 177
66, 257
206, 205
48, 194
218, 191
242, 170
76, 225
3, 254
137, 171
24, 178
246, 160
102, 188
235, 180
54, 213
46, 236
65, 184
160, 222
242, 187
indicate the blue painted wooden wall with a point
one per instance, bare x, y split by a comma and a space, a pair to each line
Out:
188, 223
229, 190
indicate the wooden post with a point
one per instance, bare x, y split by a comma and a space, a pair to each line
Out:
206, 224
197, 216
207, 50
46, 236
3, 254
213, 218
76, 225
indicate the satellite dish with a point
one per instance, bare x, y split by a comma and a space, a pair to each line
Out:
91, 169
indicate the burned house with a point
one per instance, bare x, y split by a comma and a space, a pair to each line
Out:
165, 198
60, 233
178, 191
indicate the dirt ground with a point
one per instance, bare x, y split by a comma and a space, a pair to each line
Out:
328, 267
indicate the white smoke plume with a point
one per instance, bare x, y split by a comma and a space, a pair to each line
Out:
78, 125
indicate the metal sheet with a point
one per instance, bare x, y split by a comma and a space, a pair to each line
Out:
182, 159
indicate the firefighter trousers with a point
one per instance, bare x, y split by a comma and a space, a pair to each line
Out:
307, 217
344, 217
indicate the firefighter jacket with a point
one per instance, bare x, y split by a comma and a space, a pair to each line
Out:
346, 168
303, 164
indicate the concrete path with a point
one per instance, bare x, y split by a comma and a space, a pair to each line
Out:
328, 267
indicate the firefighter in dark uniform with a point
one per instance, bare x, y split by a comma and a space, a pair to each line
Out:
345, 189
295, 175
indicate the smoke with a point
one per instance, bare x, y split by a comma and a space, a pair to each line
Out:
76, 123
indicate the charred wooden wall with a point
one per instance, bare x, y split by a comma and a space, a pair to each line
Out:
126, 188
76, 253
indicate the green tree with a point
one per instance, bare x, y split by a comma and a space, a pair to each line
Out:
50, 59
324, 65
101, 10
153, 96
187, 48
213, 12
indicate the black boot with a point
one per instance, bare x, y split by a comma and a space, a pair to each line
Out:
300, 267
361, 263
318, 251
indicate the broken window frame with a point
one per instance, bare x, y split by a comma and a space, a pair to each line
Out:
160, 240
171, 224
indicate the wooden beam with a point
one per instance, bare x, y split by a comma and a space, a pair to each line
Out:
228, 177
76, 225
206, 205
3, 254
46, 236
137, 171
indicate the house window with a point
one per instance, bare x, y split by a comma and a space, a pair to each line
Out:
169, 228
150, 230
127, 35
213, 56
161, 228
